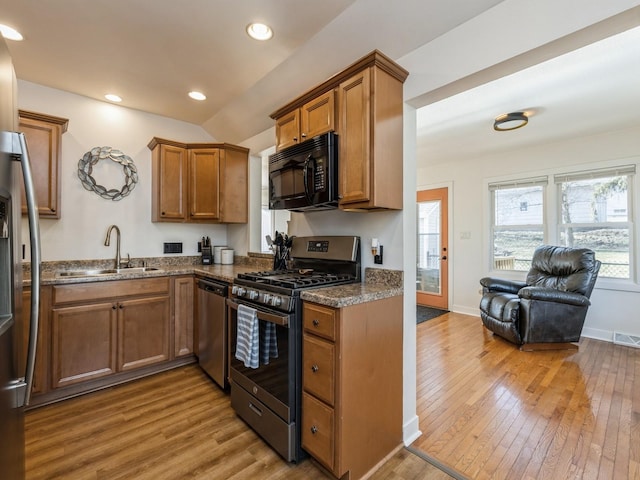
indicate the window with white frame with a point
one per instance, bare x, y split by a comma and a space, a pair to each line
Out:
517, 222
595, 212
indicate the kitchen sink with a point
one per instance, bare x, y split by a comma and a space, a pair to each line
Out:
105, 271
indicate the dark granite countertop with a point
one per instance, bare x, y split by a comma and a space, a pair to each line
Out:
378, 284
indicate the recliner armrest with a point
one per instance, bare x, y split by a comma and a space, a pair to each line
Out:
502, 285
552, 295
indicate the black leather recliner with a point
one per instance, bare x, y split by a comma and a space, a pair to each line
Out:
549, 308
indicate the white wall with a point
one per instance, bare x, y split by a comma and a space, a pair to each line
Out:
470, 213
81, 230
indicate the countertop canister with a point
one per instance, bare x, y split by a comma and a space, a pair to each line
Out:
217, 253
227, 256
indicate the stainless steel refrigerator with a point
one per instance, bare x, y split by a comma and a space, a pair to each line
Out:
15, 381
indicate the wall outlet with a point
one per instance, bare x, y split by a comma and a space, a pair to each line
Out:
172, 247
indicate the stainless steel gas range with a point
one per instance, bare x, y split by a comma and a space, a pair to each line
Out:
265, 336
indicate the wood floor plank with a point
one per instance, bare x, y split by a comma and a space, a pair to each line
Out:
492, 411
172, 426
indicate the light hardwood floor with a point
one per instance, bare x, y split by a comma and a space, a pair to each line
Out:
491, 411
486, 410
174, 425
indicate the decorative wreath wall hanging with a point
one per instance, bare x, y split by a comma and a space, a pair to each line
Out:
92, 157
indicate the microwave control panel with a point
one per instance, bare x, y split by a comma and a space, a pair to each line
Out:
319, 176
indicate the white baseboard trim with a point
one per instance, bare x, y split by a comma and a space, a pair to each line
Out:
597, 334
411, 431
474, 311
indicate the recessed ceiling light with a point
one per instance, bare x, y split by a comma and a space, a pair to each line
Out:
112, 98
259, 31
510, 121
197, 95
10, 33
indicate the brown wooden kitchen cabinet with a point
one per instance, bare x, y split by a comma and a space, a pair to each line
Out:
352, 384
368, 120
43, 134
199, 183
101, 328
313, 118
183, 315
370, 141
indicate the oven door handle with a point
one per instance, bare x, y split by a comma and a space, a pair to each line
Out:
282, 320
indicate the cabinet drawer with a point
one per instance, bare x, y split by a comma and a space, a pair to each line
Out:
319, 320
318, 368
82, 292
317, 430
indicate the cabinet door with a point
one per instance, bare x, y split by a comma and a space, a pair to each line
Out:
317, 116
355, 138
288, 130
83, 343
183, 292
43, 140
170, 197
143, 332
234, 185
204, 184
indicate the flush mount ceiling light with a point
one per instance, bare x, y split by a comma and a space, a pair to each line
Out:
113, 98
259, 31
10, 33
197, 95
510, 121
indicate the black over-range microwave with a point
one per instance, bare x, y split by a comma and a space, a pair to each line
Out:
304, 177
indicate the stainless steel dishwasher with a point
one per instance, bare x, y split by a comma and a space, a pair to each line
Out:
212, 329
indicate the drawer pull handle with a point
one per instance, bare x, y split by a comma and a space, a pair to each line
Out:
314, 430
316, 322
314, 368
255, 409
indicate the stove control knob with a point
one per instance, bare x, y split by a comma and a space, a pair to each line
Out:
240, 291
276, 301
253, 295
267, 298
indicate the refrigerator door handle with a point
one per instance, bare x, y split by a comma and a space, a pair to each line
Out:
19, 388
34, 234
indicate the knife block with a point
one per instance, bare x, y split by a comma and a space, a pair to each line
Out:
207, 256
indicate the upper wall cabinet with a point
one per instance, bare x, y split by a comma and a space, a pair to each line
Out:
44, 141
200, 183
313, 118
368, 120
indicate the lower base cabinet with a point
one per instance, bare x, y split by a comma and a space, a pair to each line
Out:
352, 384
83, 341
93, 335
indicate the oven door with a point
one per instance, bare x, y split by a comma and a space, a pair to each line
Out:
273, 382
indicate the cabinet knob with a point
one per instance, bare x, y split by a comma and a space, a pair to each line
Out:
295, 139
314, 368
304, 135
113, 307
314, 430
120, 306
163, 213
316, 322
53, 210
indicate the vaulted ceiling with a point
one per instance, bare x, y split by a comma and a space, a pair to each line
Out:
462, 56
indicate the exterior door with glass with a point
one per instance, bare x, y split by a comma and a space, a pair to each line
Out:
432, 253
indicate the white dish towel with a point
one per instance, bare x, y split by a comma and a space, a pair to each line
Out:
247, 343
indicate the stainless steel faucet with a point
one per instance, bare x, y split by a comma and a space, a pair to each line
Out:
119, 261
